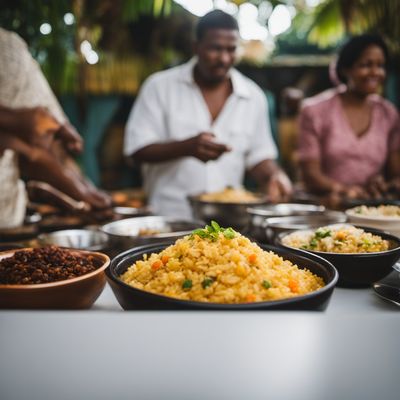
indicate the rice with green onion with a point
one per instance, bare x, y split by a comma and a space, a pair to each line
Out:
220, 266
389, 211
337, 239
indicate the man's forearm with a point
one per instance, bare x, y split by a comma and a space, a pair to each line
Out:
160, 152
263, 172
9, 120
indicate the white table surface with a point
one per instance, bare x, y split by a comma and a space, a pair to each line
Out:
350, 351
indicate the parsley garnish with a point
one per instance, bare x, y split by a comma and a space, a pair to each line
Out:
212, 232
266, 284
187, 284
207, 282
322, 233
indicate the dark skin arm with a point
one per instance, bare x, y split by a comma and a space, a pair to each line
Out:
272, 180
31, 133
317, 182
202, 146
36, 126
378, 186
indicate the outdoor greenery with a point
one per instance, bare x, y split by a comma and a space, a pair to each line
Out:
149, 33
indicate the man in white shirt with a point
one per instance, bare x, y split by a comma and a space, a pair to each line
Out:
199, 126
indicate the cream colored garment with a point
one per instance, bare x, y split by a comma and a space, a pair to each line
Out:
22, 85
13, 197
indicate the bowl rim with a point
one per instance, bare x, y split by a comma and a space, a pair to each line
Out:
105, 228
263, 199
308, 208
132, 211
106, 262
110, 274
379, 232
273, 222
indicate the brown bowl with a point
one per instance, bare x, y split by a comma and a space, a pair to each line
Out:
75, 293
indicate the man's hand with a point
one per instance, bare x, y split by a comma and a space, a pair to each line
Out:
272, 180
70, 138
279, 187
204, 147
37, 127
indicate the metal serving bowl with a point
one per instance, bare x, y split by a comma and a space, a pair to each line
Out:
85, 239
130, 232
226, 214
258, 215
274, 226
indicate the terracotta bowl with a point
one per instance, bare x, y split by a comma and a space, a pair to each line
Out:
75, 293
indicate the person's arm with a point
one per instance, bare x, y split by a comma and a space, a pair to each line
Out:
315, 180
272, 180
37, 126
201, 146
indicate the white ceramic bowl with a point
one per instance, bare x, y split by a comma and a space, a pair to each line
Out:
385, 223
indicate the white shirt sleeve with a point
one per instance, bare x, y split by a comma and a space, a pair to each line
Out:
262, 145
145, 124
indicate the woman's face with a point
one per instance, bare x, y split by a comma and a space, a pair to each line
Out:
367, 74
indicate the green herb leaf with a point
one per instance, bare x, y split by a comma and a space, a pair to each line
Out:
207, 282
187, 284
200, 232
212, 232
322, 233
313, 243
229, 233
266, 284
216, 226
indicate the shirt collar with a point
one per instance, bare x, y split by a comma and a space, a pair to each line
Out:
239, 84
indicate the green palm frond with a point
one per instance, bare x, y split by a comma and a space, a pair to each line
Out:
328, 26
333, 19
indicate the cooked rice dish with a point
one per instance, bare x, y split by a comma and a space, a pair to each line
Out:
380, 211
220, 266
231, 195
337, 239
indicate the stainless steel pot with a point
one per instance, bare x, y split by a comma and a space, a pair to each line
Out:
274, 226
226, 214
258, 214
85, 239
131, 232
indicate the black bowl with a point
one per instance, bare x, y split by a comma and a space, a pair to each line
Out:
359, 269
131, 298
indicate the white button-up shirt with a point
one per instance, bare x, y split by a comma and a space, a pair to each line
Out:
171, 107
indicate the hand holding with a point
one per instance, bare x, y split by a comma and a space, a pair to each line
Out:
279, 187
204, 147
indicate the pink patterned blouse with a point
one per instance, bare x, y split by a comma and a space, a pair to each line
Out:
326, 135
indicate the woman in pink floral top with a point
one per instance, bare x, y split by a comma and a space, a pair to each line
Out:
349, 140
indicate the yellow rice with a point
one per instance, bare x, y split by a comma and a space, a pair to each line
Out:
239, 272
231, 195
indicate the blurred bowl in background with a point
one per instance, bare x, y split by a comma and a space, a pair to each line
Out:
84, 239
229, 214
258, 215
132, 232
276, 225
126, 212
386, 223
